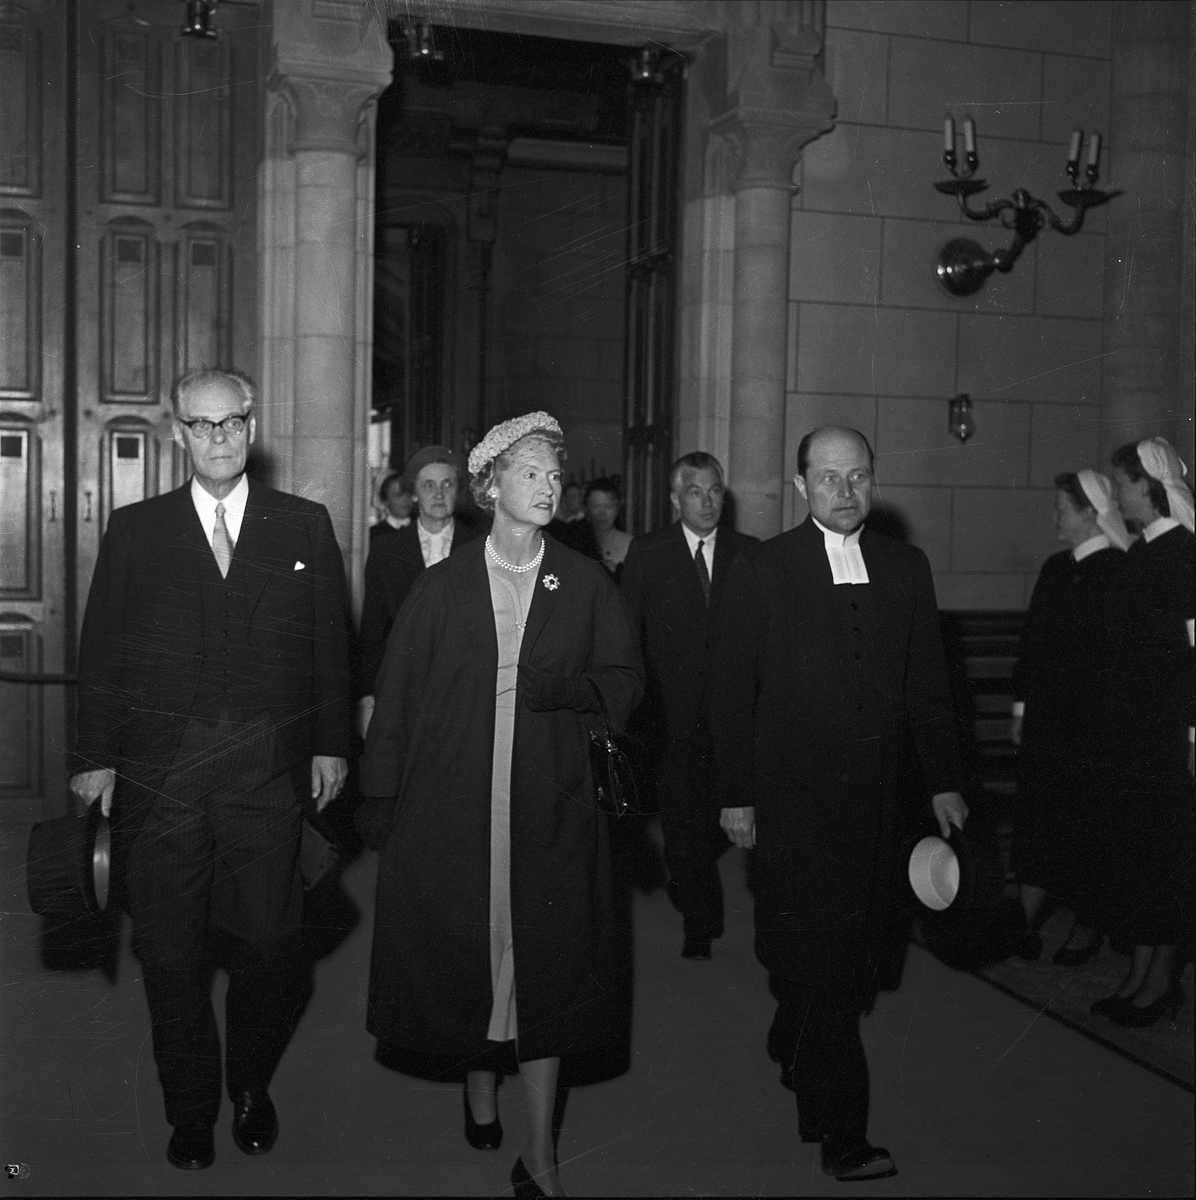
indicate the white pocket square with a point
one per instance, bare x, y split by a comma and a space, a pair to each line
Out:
299, 566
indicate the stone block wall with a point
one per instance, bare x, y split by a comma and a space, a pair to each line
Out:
874, 342
557, 308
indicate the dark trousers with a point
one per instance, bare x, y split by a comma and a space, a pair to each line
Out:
816, 1035
693, 839
218, 852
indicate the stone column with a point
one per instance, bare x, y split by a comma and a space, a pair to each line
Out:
329, 69
1141, 385
780, 104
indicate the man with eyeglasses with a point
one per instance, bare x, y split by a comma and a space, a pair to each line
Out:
214, 706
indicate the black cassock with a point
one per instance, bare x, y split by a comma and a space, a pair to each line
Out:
428, 762
830, 708
1063, 675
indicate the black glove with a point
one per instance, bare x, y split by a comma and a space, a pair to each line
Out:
544, 692
374, 819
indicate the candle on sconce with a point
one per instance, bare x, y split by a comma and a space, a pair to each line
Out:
1073, 151
948, 134
1094, 152
969, 135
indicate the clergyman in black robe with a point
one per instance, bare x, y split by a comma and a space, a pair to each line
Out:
829, 694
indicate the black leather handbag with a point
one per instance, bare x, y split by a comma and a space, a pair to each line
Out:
614, 778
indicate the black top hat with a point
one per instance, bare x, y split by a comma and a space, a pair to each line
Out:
68, 866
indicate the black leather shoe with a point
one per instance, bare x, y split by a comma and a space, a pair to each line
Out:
255, 1123
862, 1161
191, 1147
696, 949
481, 1137
1131, 1016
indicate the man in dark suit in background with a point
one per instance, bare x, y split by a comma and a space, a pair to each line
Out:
829, 695
673, 584
396, 561
214, 705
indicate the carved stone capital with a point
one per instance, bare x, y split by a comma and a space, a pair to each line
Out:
331, 58
774, 99
763, 150
328, 112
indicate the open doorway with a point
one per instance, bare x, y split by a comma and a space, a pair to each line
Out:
525, 249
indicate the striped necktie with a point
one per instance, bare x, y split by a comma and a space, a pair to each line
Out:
222, 544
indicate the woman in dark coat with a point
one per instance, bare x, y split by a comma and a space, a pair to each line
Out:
494, 925
1151, 787
1058, 680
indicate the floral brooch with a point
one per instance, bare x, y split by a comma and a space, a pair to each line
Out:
551, 582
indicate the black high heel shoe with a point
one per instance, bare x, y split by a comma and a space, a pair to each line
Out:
526, 1188
1108, 1006
481, 1137
1132, 1017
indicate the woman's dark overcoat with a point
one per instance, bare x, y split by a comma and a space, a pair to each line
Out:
1151, 788
830, 709
427, 765
1062, 675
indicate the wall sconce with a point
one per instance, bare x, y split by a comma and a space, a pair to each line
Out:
961, 422
198, 23
645, 65
963, 265
421, 45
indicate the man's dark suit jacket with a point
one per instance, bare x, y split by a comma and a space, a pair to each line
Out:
395, 562
141, 649
669, 615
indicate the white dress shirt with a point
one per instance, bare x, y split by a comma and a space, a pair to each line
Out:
397, 522
844, 554
692, 539
234, 507
435, 547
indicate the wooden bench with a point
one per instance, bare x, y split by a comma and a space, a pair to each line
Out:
981, 650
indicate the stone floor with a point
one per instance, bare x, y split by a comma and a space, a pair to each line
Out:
974, 1092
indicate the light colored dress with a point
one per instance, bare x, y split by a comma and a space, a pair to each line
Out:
511, 596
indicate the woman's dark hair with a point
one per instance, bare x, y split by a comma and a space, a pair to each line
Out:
602, 484
1125, 458
384, 486
1069, 484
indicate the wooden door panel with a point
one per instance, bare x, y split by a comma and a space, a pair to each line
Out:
160, 196
32, 430
650, 350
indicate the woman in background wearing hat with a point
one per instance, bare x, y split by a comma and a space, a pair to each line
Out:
494, 920
1065, 653
1152, 788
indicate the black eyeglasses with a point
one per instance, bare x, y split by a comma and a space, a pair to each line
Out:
201, 427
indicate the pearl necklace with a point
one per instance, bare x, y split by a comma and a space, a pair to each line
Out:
492, 554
